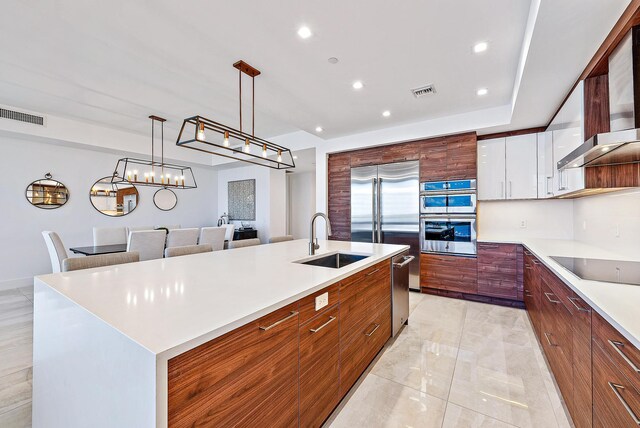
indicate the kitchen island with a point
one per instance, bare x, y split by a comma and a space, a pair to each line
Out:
213, 339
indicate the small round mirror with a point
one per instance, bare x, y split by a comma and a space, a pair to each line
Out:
114, 197
47, 193
165, 199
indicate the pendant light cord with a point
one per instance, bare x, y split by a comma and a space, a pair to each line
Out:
240, 86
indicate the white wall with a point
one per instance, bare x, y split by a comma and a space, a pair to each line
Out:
609, 221
302, 203
270, 198
550, 219
23, 252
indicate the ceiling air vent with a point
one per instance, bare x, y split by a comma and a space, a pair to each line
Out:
423, 91
21, 117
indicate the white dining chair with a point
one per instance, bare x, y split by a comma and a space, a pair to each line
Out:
109, 235
283, 238
57, 253
213, 236
183, 237
187, 250
244, 243
230, 229
137, 229
168, 226
78, 263
148, 243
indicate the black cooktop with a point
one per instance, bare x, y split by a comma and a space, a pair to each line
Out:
622, 272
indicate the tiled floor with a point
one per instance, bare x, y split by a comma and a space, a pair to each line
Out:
457, 364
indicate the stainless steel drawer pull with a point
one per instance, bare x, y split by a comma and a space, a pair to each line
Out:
371, 273
550, 299
546, 336
372, 331
535, 262
527, 266
527, 253
277, 323
617, 345
407, 260
580, 308
615, 387
315, 330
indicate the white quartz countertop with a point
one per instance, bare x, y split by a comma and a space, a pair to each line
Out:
171, 305
617, 303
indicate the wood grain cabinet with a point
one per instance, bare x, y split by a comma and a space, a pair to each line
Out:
319, 367
449, 273
532, 290
250, 374
497, 270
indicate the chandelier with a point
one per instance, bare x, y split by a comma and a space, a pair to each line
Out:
205, 135
153, 173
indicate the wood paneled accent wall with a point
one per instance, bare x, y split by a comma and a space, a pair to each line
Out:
450, 157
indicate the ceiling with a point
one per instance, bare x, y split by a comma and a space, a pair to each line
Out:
114, 63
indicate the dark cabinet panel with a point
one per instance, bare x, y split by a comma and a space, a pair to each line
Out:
498, 270
451, 273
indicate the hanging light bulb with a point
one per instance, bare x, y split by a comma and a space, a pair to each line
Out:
264, 150
279, 155
200, 135
247, 148
226, 139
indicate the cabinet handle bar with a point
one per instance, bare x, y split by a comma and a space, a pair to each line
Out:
277, 323
372, 331
615, 387
315, 330
617, 345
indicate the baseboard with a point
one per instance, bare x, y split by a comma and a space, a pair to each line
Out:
10, 284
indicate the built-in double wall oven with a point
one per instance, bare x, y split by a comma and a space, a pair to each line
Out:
448, 217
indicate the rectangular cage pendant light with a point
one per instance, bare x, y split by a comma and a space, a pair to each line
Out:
154, 173
207, 136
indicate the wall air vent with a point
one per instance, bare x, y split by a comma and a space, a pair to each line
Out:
423, 91
21, 116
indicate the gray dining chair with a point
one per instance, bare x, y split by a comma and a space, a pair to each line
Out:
57, 253
168, 226
109, 235
283, 238
244, 243
78, 263
148, 243
213, 236
137, 229
183, 237
187, 250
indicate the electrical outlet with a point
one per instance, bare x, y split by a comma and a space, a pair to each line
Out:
523, 224
322, 301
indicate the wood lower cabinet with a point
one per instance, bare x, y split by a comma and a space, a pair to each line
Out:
247, 375
450, 273
532, 292
497, 270
319, 367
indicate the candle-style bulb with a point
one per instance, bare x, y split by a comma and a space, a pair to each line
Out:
200, 134
264, 150
226, 139
279, 155
247, 148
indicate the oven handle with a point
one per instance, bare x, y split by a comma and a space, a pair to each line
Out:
447, 217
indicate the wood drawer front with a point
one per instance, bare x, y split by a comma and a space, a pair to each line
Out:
616, 402
560, 290
582, 382
498, 270
622, 352
307, 306
557, 342
246, 375
319, 367
452, 273
532, 292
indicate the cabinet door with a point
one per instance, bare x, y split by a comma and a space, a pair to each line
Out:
582, 379
319, 368
532, 290
546, 167
497, 270
433, 161
247, 375
450, 273
491, 169
462, 158
521, 167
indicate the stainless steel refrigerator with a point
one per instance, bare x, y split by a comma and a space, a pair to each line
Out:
385, 208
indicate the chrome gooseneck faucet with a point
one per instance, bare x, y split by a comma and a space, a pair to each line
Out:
313, 241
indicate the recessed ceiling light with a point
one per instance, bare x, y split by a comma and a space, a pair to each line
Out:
386, 113
480, 47
358, 85
482, 91
304, 32
319, 129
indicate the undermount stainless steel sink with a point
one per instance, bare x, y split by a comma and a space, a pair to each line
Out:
335, 260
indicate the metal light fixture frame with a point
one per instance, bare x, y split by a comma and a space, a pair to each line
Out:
161, 167
247, 147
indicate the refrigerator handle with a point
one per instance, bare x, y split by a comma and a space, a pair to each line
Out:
373, 210
379, 211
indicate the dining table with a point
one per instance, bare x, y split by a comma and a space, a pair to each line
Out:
95, 250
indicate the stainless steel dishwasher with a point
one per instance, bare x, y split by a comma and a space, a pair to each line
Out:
400, 291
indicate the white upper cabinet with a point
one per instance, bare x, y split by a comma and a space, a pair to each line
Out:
521, 167
567, 133
491, 169
546, 166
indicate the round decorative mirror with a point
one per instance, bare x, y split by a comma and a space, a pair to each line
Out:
165, 199
47, 193
114, 197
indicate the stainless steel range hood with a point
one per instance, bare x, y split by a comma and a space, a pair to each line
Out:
622, 144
